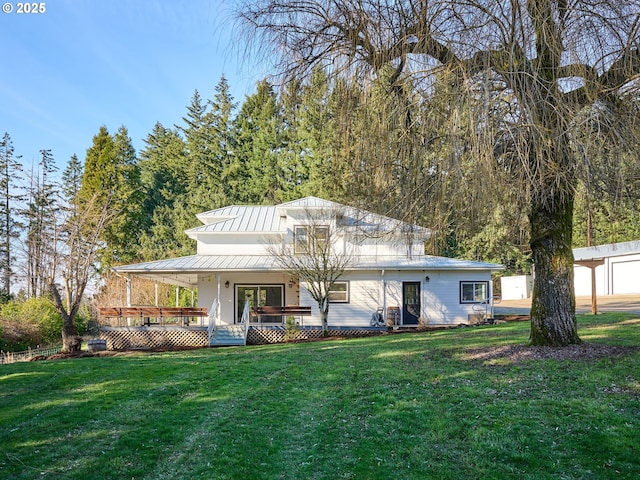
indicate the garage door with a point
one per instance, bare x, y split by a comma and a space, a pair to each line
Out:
626, 277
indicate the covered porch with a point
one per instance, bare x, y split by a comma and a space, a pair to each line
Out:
221, 286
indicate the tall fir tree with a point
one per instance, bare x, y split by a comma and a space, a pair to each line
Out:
41, 216
72, 179
111, 175
253, 175
199, 137
165, 182
10, 227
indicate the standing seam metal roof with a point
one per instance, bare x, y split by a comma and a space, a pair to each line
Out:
194, 263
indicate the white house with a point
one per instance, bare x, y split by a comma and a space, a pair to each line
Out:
388, 271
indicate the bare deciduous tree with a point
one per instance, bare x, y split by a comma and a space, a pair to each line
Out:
554, 63
318, 254
77, 253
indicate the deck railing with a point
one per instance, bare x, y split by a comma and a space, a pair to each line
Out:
246, 315
146, 316
214, 317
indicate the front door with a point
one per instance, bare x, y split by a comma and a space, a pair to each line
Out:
410, 303
259, 296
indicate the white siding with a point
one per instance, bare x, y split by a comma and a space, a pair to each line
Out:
582, 280
440, 297
618, 275
516, 287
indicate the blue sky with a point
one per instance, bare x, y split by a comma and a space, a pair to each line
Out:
86, 63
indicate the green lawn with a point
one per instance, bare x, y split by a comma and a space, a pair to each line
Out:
409, 406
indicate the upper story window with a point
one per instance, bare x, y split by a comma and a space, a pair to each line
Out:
474, 292
339, 292
310, 239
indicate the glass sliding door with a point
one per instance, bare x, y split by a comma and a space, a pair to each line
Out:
259, 296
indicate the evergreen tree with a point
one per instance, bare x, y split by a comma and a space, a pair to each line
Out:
72, 179
199, 134
165, 182
315, 130
112, 175
254, 176
10, 170
209, 143
42, 229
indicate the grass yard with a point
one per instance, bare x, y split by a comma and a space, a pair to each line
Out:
441, 405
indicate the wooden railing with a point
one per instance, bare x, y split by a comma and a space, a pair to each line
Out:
214, 317
138, 316
285, 311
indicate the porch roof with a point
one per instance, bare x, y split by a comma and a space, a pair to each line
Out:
185, 271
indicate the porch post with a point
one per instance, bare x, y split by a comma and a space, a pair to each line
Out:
219, 286
177, 295
156, 293
128, 283
384, 296
592, 264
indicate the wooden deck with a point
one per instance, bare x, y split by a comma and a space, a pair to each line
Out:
143, 315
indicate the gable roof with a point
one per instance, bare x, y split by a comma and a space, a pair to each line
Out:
271, 218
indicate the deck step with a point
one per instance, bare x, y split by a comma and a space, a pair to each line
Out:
227, 335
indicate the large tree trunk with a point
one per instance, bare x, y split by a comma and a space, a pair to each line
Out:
71, 341
553, 306
324, 315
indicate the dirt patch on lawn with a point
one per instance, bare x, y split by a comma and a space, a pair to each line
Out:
521, 353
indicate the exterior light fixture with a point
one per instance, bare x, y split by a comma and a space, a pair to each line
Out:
226, 284
426, 279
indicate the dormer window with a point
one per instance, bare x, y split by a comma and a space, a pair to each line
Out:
310, 239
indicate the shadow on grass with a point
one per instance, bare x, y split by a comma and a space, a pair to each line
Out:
395, 406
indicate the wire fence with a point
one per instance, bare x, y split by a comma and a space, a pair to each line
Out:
27, 355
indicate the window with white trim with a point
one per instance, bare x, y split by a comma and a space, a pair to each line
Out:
474, 292
310, 239
339, 292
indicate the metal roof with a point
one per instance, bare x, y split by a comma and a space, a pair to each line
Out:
272, 218
241, 219
267, 219
608, 250
185, 270
309, 202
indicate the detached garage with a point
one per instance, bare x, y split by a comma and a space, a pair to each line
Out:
617, 268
